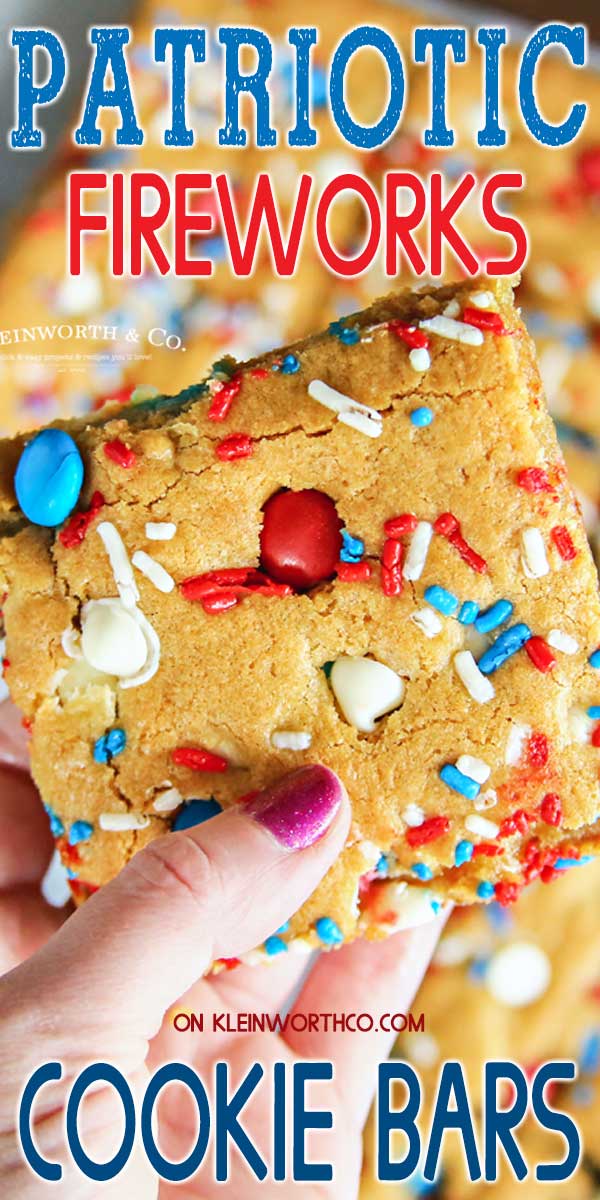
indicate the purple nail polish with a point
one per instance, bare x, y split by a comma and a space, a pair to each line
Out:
298, 809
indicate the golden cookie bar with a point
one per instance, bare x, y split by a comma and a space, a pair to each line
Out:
360, 550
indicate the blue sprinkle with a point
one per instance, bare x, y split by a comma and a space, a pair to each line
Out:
329, 933
450, 775
436, 905
589, 1061
49, 477
438, 597
468, 612
463, 853
594, 659
71, 874
80, 831
353, 548
583, 1094
422, 871
290, 364
383, 865
196, 812
56, 826
421, 417
563, 864
499, 918
494, 616
478, 968
504, 647
109, 745
418, 1186
594, 711
283, 928
275, 945
485, 890
348, 334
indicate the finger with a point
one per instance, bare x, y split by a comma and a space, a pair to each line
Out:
26, 843
212, 891
14, 738
365, 977
26, 923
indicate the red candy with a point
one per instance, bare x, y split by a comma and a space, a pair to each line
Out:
119, 453
300, 539
199, 759
429, 831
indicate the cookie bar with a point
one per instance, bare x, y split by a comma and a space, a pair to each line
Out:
360, 550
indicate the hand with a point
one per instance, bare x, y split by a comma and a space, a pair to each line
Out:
102, 987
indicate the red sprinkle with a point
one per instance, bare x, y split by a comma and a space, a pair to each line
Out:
121, 396
391, 581
548, 874
218, 602
491, 322
199, 759
538, 749
506, 893
534, 479
77, 526
259, 373
353, 572
397, 526
5, 664
415, 338
446, 524
224, 398
551, 809
393, 553
487, 849
595, 738
449, 527
429, 831
540, 654
564, 542
119, 453
517, 822
237, 445
588, 169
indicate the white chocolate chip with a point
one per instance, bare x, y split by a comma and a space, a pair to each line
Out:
111, 638
153, 571
365, 690
481, 826
71, 642
428, 621
420, 358
475, 768
477, 684
455, 331
290, 739
518, 974
562, 641
121, 822
534, 560
417, 551
160, 531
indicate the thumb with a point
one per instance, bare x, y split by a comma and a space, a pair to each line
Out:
211, 891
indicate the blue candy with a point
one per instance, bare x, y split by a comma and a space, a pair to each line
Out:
109, 745
422, 871
594, 659
80, 831
468, 612
594, 711
421, 417
328, 932
439, 598
485, 890
463, 853
275, 945
504, 647
49, 477
494, 616
453, 778
196, 812
563, 864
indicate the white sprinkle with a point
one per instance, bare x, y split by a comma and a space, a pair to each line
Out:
153, 571
456, 331
120, 822
420, 358
535, 563
482, 300
475, 768
350, 412
477, 684
417, 551
407, 905
70, 640
160, 531
413, 815
120, 564
78, 294
254, 958
481, 826
424, 1051
369, 850
485, 800
515, 742
428, 621
562, 641
452, 308
290, 739
168, 801
580, 725
55, 884
453, 950
548, 279
300, 945
518, 974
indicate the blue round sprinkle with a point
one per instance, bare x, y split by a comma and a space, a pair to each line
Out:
196, 812
275, 945
48, 478
422, 871
283, 928
80, 831
56, 826
421, 417
290, 364
463, 853
109, 745
329, 933
485, 890
383, 865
